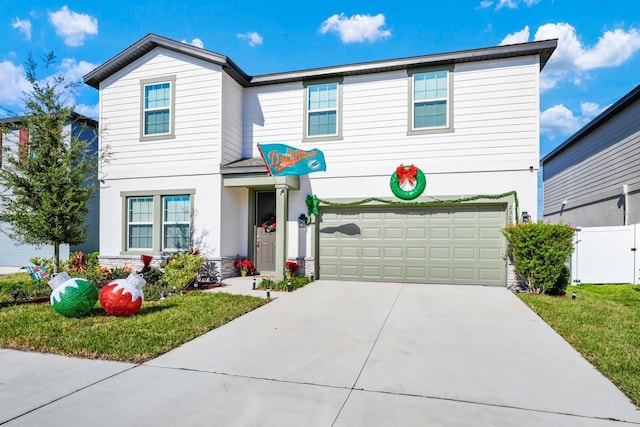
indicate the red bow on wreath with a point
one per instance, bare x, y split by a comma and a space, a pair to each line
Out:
406, 174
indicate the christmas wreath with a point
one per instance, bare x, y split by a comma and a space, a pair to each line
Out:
269, 223
407, 182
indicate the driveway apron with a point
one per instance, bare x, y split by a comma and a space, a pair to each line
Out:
347, 353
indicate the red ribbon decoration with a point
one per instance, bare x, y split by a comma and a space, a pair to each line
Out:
406, 174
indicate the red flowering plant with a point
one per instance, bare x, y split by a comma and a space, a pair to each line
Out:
291, 266
244, 265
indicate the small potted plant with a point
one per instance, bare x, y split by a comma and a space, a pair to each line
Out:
244, 267
291, 267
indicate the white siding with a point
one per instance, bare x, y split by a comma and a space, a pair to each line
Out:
231, 120
273, 114
495, 121
206, 210
196, 146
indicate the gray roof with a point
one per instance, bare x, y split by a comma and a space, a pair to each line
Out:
151, 41
620, 105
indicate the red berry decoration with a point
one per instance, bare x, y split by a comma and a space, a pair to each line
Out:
123, 297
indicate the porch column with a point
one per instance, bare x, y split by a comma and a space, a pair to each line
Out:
282, 211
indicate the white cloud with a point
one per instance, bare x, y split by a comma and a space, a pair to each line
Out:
195, 42
13, 83
573, 57
590, 110
484, 4
521, 36
254, 38
612, 49
511, 4
356, 29
559, 121
74, 70
90, 111
72, 26
24, 26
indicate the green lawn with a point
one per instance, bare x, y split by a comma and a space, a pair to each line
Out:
158, 327
602, 323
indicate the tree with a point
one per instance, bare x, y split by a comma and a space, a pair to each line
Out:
48, 185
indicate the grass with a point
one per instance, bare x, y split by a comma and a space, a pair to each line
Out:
603, 324
22, 282
158, 327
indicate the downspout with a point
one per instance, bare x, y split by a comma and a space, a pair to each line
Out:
625, 194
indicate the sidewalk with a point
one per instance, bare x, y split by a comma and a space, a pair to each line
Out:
334, 354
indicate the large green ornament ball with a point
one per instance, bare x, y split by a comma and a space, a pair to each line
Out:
74, 298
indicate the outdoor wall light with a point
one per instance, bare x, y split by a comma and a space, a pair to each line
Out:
526, 218
302, 220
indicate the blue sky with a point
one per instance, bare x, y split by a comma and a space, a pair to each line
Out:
596, 63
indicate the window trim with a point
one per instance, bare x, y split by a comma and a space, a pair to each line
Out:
172, 87
158, 220
410, 108
305, 120
129, 223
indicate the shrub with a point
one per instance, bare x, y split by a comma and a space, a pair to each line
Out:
560, 287
540, 252
182, 270
282, 285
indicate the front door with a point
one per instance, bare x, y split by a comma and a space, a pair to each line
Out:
265, 231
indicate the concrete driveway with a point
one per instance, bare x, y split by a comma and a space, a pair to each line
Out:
335, 354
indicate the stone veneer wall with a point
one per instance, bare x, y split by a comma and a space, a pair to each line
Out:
224, 265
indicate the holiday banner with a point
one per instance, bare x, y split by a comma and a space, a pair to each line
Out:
282, 159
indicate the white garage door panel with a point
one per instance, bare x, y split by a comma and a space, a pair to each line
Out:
453, 244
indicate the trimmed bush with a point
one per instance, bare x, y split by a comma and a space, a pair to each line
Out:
540, 253
182, 270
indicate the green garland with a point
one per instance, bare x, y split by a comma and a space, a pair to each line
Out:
313, 201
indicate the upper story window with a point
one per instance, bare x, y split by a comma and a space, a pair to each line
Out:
431, 101
158, 100
323, 110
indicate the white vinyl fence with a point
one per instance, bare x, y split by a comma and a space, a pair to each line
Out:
605, 255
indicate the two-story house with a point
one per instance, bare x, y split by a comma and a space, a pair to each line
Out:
183, 125
15, 139
593, 178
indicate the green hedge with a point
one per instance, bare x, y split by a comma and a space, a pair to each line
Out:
540, 253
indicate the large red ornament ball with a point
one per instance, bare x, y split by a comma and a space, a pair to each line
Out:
123, 297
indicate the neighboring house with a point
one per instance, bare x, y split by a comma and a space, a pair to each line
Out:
15, 255
183, 124
593, 178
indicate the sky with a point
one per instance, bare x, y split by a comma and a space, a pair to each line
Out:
597, 60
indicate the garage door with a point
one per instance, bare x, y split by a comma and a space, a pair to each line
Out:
445, 244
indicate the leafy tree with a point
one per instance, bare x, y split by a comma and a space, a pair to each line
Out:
47, 187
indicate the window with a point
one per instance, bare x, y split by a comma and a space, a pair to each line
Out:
140, 229
322, 110
430, 100
157, 108
157, 222
175, 222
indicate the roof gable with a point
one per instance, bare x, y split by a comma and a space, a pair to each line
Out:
151, 41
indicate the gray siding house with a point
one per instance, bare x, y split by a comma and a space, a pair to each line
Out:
14, 255
593, 178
